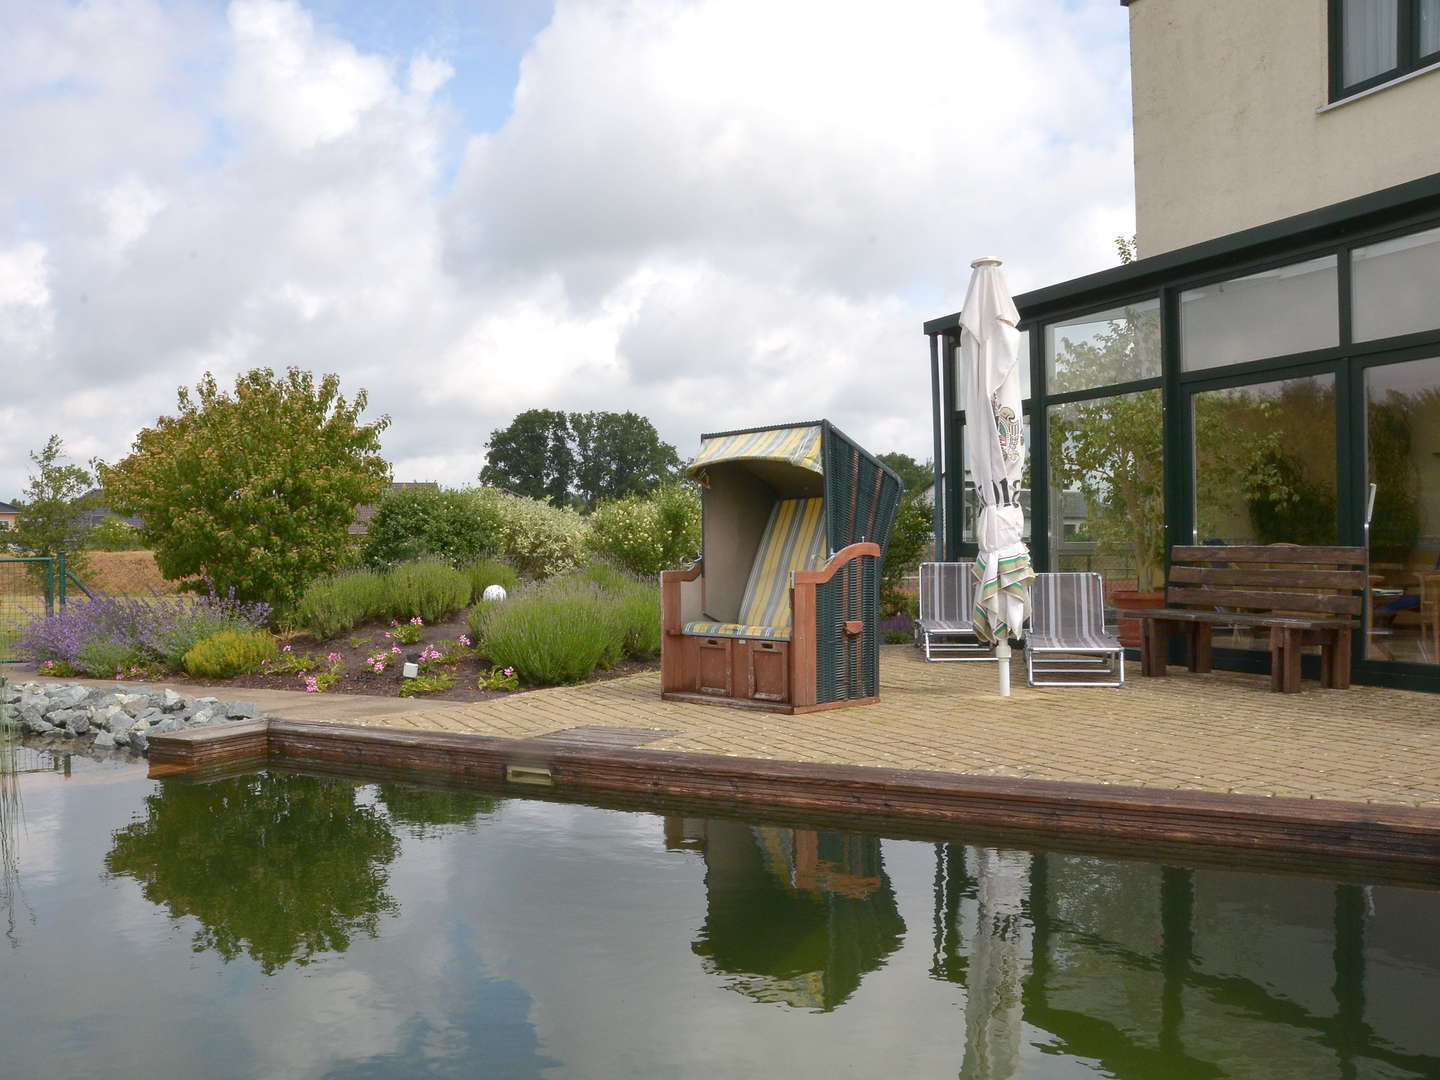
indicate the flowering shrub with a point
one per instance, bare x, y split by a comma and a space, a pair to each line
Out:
405, 633
384, 658
557, 633
135, 631
289, 662
441, 654
536, 539
498, 678
320, 681
649, 533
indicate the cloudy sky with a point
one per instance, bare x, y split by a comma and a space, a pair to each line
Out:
716, 213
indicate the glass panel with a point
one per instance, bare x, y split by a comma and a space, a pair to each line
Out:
970, 509
1104, 348
1370, 32
1107, 507
1402, 442
1288, 310
1394, 285
1264, 471
1429, 27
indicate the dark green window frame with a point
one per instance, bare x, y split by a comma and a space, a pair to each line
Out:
1408, 56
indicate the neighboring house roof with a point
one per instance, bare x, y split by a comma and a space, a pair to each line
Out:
7, 508
96, 512
361, 525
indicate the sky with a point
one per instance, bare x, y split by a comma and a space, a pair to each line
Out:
715, 213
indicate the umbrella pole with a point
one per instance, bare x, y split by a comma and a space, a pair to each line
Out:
1002, 661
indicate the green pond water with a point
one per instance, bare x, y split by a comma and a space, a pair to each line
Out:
287, 925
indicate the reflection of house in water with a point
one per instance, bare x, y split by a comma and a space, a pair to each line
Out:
1151, 971
794, 915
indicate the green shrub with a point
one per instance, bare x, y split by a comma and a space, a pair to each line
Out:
230, 653
340, 602
113, 534
649, 533
427, 684
102, 658
486, 572
557, 633
429, 588
637, 607
535, 538
481, 616
411, 524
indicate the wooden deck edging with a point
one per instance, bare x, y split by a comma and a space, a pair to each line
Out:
1253, 823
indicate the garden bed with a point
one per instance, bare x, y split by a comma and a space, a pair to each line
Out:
357, 677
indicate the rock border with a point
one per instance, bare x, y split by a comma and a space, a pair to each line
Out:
106, 719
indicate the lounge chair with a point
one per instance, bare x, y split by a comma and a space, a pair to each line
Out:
1067, 633
782, 610
945, 630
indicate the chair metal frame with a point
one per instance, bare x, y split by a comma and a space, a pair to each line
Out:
944, 640
1075, 652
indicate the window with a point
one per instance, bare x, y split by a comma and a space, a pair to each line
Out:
1290, 309
1394, 284
1374, 41
1116, 346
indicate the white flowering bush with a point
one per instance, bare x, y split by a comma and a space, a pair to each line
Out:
649, 533
537, 539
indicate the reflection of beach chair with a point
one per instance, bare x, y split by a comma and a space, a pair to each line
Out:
782, 610
945, 630
1067, 633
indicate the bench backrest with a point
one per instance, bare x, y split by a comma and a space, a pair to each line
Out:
1067, 606
947, 591
1325, 582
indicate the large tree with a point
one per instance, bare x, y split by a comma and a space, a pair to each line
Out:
913, 475
253, 489
52, 509
578, 457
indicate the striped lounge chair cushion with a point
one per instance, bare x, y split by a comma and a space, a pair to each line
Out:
1077, 641
794, 539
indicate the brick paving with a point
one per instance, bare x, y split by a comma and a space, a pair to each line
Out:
1222, 732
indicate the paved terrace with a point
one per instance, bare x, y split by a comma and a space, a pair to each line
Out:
1222, 732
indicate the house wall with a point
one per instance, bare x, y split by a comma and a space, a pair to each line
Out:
1227, 132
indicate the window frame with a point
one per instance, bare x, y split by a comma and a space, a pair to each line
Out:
1409, 59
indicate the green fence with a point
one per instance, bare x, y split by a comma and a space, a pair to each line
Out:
31, 586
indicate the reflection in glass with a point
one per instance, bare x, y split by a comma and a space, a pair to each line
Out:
1402, 440
1369, 39
1276, 312
281, 868
1394, 284
797, 917
1107, 507
1265, 470
1104, 348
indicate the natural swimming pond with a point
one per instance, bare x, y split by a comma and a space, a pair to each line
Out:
287, 925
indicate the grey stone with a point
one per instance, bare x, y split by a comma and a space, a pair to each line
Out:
241, 710
148, 717
108, 701
165, 726
139, 742
170, 701
76, 720
9, 694
135, 704
204, 701
201, 716
109, 717
122, 738
36, 724
104, 741
67, 696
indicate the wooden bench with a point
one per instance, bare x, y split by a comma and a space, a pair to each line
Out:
1305, 596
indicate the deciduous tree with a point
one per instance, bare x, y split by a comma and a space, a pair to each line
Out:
53, 507
255, 488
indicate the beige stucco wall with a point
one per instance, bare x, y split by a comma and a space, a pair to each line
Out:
1227, 134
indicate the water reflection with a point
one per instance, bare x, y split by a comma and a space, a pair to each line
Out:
794, 915
276, 867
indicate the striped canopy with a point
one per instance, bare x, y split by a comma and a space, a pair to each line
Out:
798, 446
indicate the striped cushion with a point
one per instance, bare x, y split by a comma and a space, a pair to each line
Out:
731, 629
794, 540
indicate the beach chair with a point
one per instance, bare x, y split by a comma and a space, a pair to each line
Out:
944, 629
1067, 633
782, 610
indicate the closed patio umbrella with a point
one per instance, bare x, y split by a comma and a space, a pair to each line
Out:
995, 457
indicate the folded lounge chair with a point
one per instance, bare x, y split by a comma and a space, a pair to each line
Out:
782, 609
1067, 633
947, 597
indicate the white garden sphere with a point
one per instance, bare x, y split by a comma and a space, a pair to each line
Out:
494, 592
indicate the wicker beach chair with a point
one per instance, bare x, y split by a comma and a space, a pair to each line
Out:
1067, 633
782, 609
945, 629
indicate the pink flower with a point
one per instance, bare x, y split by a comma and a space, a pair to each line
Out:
333, 657
509, 671
379, 668
464, 641
285, 648
417, 621
119, 675
395, 648
387, 632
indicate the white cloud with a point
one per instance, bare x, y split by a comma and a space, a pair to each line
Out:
713, 212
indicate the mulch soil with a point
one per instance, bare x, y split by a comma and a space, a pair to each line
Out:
367, 640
